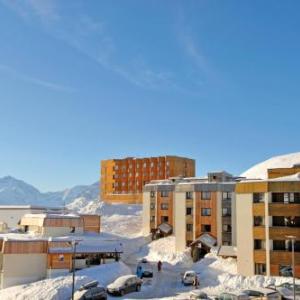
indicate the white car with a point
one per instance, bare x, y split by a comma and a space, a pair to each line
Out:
233, 296
124, 285
189, 277
262, 294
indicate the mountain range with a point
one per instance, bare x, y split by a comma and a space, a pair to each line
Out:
14, 191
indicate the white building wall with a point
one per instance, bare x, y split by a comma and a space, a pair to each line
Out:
23, 268
180, 221
146, 213
12, 216
244, 219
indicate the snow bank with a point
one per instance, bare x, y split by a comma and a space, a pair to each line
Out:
164, 250
283, 161
60, 288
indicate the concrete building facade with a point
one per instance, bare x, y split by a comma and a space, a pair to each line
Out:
268, 213
193, 206
123, 180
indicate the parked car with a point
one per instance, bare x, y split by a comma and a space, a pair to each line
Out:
91, 291
263, 294
124, 285
197, 294
144, 260
286, 289
146, 269
232, 296
189, 278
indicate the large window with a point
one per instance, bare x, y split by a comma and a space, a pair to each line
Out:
205, 211
226, 228
205, 228
164, 219
152, 194
226, 196
189, 227
189, 195
258, 221
258, 197
278, 197
259, 244
260, 269
164, 194
189, 211
164, 206
226, 212
205, 195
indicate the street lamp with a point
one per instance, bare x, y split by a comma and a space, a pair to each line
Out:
292, 238
74, 243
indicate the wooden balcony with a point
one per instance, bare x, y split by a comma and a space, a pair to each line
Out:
280, 233
282, 209
189, 203
260, 256
258, 209
259, 233
189, 219
283, 257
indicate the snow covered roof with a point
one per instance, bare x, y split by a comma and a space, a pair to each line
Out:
206, 239
227, 251
261, 170
165, 228
290, 178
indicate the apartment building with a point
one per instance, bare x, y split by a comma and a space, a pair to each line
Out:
201, 210
123, 180
268, 213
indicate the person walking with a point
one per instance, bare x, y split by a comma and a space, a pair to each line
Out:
159, 266
139, 272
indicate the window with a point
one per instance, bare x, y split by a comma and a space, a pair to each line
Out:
144, 165
152, 219
205, 228
152, 194
226, 228
61, 257
116, 167
226, 196
164, 219
258, 197
72, 230
226, 212
279, 245
189, 211
123, 175
258, 221
189, 227
260, 269
205, 211
164, 206
259, 244
278, 197
164, 194
152, 206
137, 166
152, 164
189, 195
123, 183
278, 221
205, 195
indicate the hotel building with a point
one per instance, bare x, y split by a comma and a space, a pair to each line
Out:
198, 209
123, 180
268, 213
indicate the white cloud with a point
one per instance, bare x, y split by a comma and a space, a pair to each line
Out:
36, 81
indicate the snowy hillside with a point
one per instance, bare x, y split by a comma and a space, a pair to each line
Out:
282, 161
15, 191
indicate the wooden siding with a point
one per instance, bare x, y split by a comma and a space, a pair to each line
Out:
258, 209
165, 212
251, 187
24, 247
63, 222
259, 256
54, 261
259, 232
284, 186
91, 223
280, 233
281, 209
206, 220
283, 257
281, 172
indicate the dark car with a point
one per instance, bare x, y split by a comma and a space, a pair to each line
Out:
124, 285
91, 291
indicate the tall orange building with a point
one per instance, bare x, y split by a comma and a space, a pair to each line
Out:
122, 180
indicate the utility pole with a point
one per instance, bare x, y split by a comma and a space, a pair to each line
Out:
292, 238
74, 243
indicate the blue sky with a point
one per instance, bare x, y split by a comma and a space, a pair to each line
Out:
82, 81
